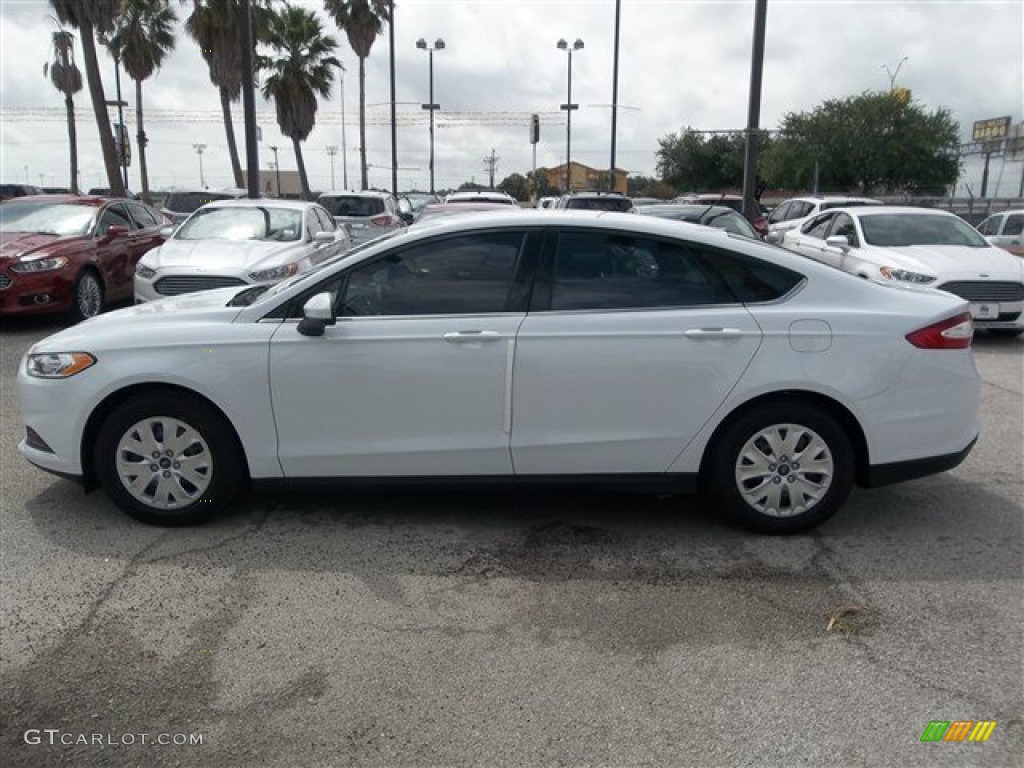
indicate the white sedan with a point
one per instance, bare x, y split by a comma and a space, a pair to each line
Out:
586, 348
238, 243
923, 247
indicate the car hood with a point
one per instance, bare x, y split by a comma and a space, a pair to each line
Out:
152, 319
16, 244
221, 255
943, 259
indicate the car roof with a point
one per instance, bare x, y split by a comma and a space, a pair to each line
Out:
356, 193
831, 199
261, 202
692, 208
94, 200
476, 205
881, 210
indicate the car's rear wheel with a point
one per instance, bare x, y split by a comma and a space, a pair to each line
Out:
87, 296
167, 459
782, 467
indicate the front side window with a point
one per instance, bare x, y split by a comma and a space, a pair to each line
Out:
817, 227
113, 215
843, 226
780, 214
1014, 224
800, 209
468, 274
989, 226
604, 270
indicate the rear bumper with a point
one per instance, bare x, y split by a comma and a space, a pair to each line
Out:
898, 471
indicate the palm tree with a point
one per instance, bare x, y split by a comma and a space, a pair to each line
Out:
90, 17
362, 21
142, 39
67, 78
216, 26
301, 67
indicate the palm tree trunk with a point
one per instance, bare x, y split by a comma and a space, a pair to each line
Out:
99, 108
306, 195
69, 104
362, 121
141, 138
229, 129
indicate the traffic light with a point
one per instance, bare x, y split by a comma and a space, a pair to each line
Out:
534, 129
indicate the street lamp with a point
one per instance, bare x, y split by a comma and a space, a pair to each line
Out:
569, 107
277, 169
437, 46
344, 153
892, 75
332, 150
199, 151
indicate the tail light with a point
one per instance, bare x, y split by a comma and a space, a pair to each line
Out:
383, 220
952, 333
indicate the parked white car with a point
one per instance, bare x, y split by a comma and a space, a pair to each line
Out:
920, 246
239, 242
587, 348
794, 213
1005, 230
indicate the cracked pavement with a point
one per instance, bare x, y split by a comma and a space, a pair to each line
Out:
355, 627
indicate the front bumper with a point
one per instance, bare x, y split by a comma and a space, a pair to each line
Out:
33, 294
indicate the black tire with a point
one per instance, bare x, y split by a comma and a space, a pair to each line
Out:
1006, 333
86, 296
204, 439
805, 501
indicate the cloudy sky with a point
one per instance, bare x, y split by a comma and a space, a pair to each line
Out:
682, 63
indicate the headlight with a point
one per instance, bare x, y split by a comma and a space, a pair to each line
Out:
143, 271
39, 265
904, 276
277, 273
58, 365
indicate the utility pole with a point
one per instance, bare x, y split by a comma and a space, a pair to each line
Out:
750, 207
490, 163
332, 151
277, 170
199, 151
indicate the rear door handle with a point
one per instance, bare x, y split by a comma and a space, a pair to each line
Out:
703, 334
457, 337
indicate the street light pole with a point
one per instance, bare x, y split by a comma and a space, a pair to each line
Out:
569, 107
437, 46
344, 152
332, 150
277, 169
893, 75
199, 151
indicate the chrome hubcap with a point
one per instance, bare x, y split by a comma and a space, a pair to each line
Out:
90, 297
784, 470
164, 463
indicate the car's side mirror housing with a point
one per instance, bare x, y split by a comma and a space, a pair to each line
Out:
838, 241
114, 230
323, 237
406, 216
773, 237
167, 231
317, 314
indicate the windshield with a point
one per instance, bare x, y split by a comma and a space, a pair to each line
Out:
897, 230
600, 204
303, 276
353, 205
187, 202
251, 223
46, 218
731, 222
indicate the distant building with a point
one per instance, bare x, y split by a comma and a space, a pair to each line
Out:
291, 185
584, 177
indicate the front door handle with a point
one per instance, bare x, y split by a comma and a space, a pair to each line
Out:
457, 337
703, 334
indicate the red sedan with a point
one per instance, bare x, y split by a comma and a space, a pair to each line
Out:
65, 253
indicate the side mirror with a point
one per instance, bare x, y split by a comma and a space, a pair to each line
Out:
773, 237
842, 242
167, 231
115, 230
317, 314
407, 217
323, 237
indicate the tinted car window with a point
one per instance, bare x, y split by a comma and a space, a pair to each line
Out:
111, 216
817, 226
620, 204
752, 280
1014, 224
143, 216
468, 274
353, 205
843, 226
601, 270
781, 213
989, 226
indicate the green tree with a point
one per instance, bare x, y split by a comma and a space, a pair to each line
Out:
874, 143
216, 26
67, 78
645, 186
143, 36
516, 185
693, 161
92, 17
301, 67
363, 21
540, 185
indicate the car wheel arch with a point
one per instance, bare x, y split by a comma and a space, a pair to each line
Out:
836, 409
111, 402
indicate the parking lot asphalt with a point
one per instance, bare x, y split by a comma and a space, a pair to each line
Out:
342, 627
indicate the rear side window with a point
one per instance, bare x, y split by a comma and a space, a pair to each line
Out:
353, 205
1014, 224
752, 280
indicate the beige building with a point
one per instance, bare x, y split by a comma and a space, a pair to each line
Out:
584, 177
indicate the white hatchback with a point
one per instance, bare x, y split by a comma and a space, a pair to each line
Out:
586, 348
924, 247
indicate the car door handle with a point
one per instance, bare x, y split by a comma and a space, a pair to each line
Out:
466, 336
703, 334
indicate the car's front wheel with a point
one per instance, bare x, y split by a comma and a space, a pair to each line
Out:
167, 459
782, 467
87, 297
